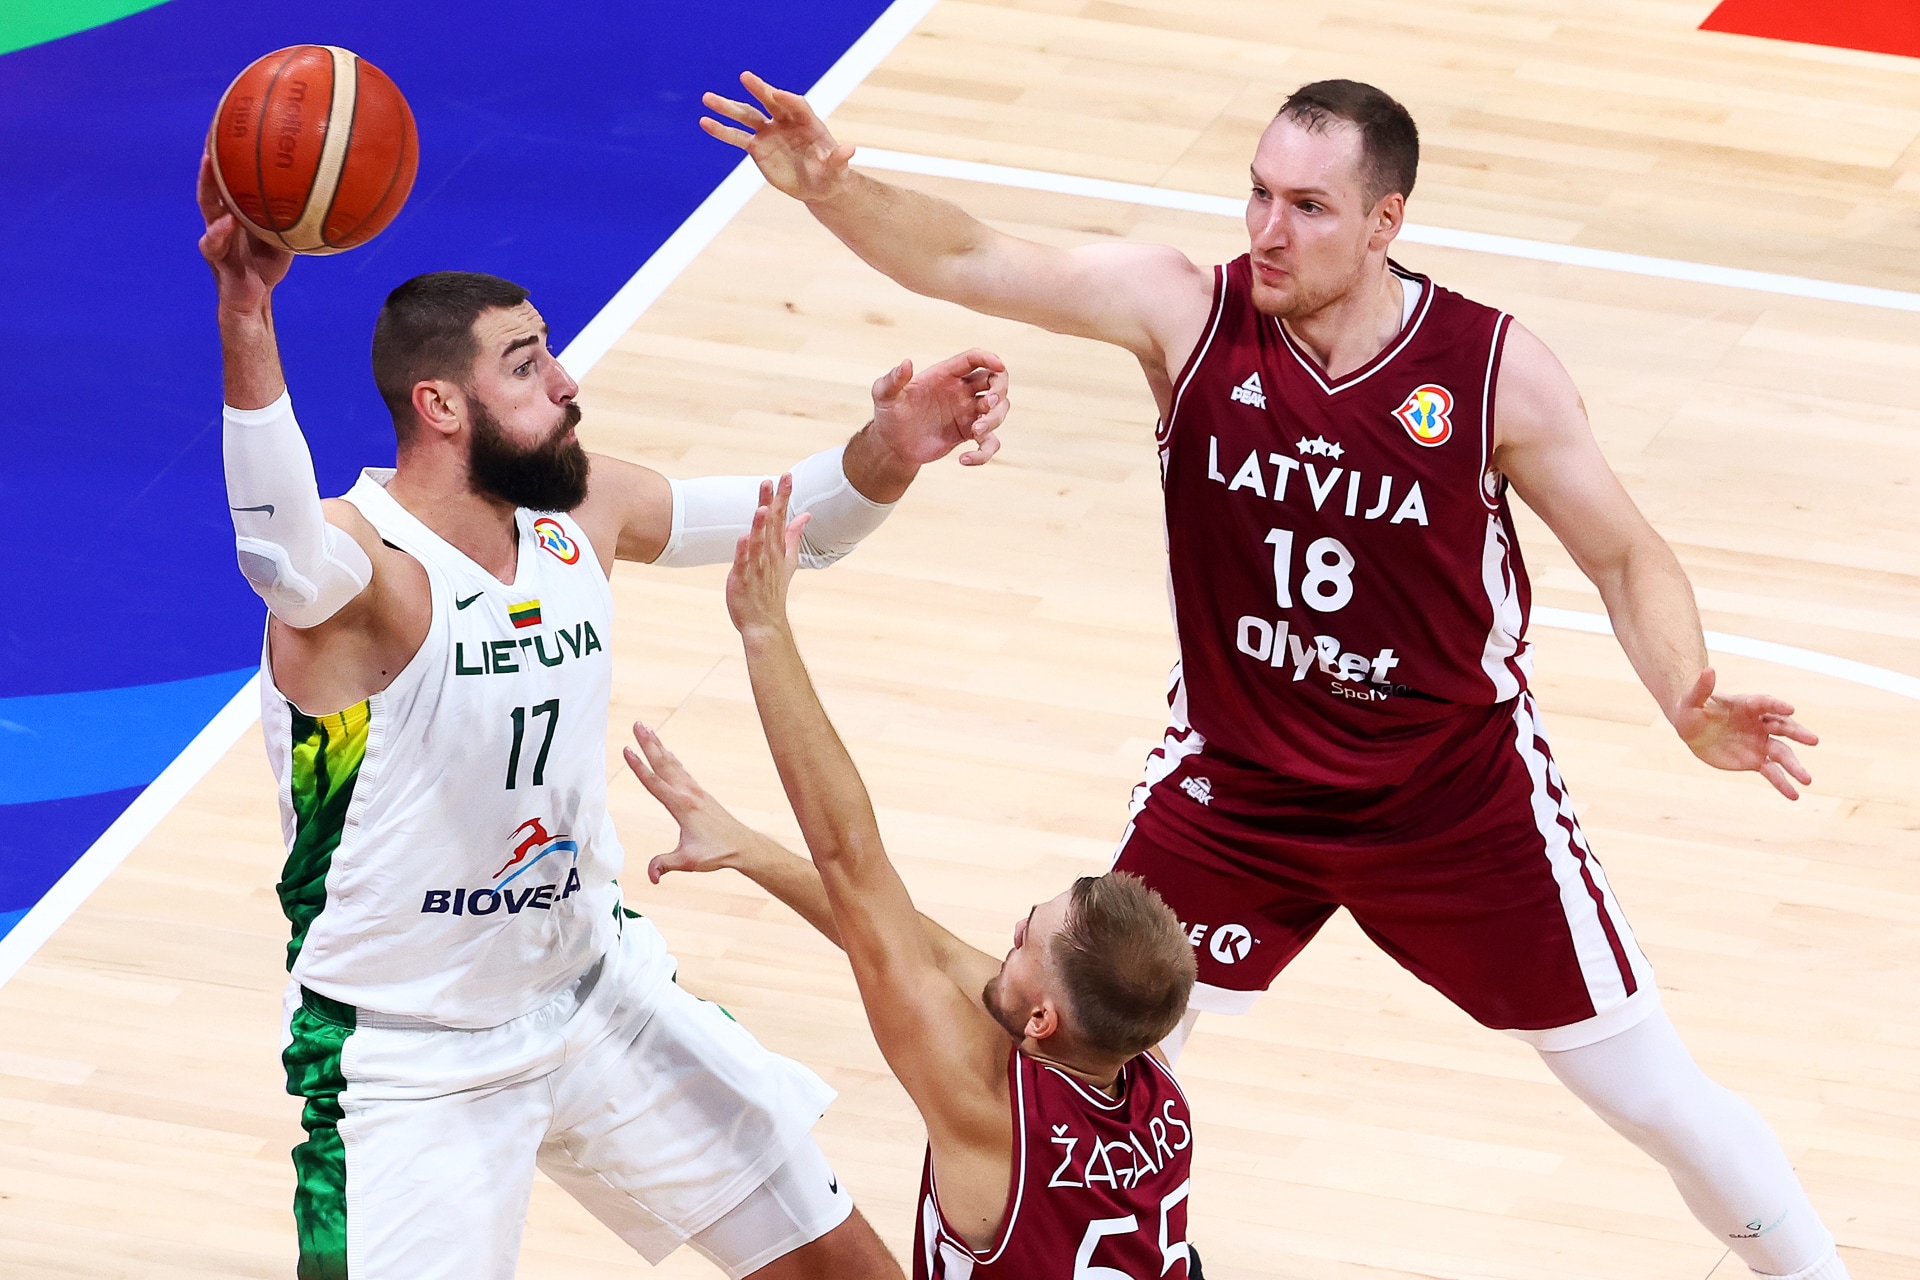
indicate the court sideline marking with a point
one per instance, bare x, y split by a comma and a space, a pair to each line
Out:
594, 340
1413, 233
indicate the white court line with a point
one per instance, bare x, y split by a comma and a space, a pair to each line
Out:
133, 825
1785, 655
717, 210
1413, 233
593, 341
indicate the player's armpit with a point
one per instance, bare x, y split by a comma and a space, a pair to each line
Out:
359, 650
946, 1050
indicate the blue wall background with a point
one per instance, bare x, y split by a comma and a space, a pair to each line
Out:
558, 148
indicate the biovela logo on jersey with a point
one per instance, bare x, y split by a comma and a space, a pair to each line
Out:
531, 844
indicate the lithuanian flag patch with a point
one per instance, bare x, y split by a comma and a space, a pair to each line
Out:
525, 614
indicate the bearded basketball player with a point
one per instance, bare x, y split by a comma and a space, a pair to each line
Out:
469, 1000
1351, 721
1058, 1143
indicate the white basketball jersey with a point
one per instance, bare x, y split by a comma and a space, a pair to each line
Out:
450, 857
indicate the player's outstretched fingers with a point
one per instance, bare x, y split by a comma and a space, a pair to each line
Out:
732, 137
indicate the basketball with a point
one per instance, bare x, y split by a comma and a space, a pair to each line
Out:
314, 149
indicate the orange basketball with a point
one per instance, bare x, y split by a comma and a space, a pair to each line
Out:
314, 149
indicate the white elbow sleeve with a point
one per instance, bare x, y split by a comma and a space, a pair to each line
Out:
711, 513
842, 515
304, 568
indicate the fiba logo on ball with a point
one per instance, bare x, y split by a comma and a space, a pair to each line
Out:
1231, 942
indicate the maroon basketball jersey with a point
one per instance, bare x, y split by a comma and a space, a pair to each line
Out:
1346, 582
1099, 1184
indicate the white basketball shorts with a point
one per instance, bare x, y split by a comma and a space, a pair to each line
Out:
654, 1109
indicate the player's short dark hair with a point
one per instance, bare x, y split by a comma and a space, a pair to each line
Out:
1389, 142
425, 332
1126, 964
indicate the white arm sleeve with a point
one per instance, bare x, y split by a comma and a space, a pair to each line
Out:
711, 513
303, 567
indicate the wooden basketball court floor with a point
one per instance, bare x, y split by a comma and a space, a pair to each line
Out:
995, 658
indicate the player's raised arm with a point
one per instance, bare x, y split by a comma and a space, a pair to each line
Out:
1149, 299
1545, 446
635, 513
315, 564
949, 1055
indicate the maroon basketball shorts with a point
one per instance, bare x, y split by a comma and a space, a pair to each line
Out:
1473, 874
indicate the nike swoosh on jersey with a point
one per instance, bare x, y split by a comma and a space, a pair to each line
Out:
268, 508
461, 604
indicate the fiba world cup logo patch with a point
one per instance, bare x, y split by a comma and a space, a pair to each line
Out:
1427, 415
554, 540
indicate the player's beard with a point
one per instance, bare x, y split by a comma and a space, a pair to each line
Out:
1303, 301
550, 476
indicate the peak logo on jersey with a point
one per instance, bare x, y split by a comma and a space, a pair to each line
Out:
525, 614
1318, 447
1249, 392
1427, 414
531, 843
554, 541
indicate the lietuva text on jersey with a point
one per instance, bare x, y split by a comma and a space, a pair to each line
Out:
1344, 569
450, 856
1099, 1186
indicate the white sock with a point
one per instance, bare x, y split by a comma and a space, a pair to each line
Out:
1721, 1154
1828, 1268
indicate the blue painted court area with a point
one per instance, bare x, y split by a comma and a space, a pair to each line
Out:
558, 148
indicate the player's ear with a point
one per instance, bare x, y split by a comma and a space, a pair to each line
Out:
1044, 1021
438, 406
1387, 217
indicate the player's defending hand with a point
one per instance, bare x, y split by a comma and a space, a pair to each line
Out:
1744, 731
244, 269
711, 839
764, 562
961, 400
795, 152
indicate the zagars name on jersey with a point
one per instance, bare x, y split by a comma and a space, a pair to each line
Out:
1252, 477
1119, 1164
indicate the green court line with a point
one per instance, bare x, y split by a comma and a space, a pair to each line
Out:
31, 22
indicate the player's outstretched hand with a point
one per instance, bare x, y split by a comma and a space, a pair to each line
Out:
244, 268
764, 560
710, 837
1744, 731
795, 152
961, 400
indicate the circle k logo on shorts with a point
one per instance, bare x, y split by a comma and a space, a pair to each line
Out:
554, 540
1427, 414
1230, 942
